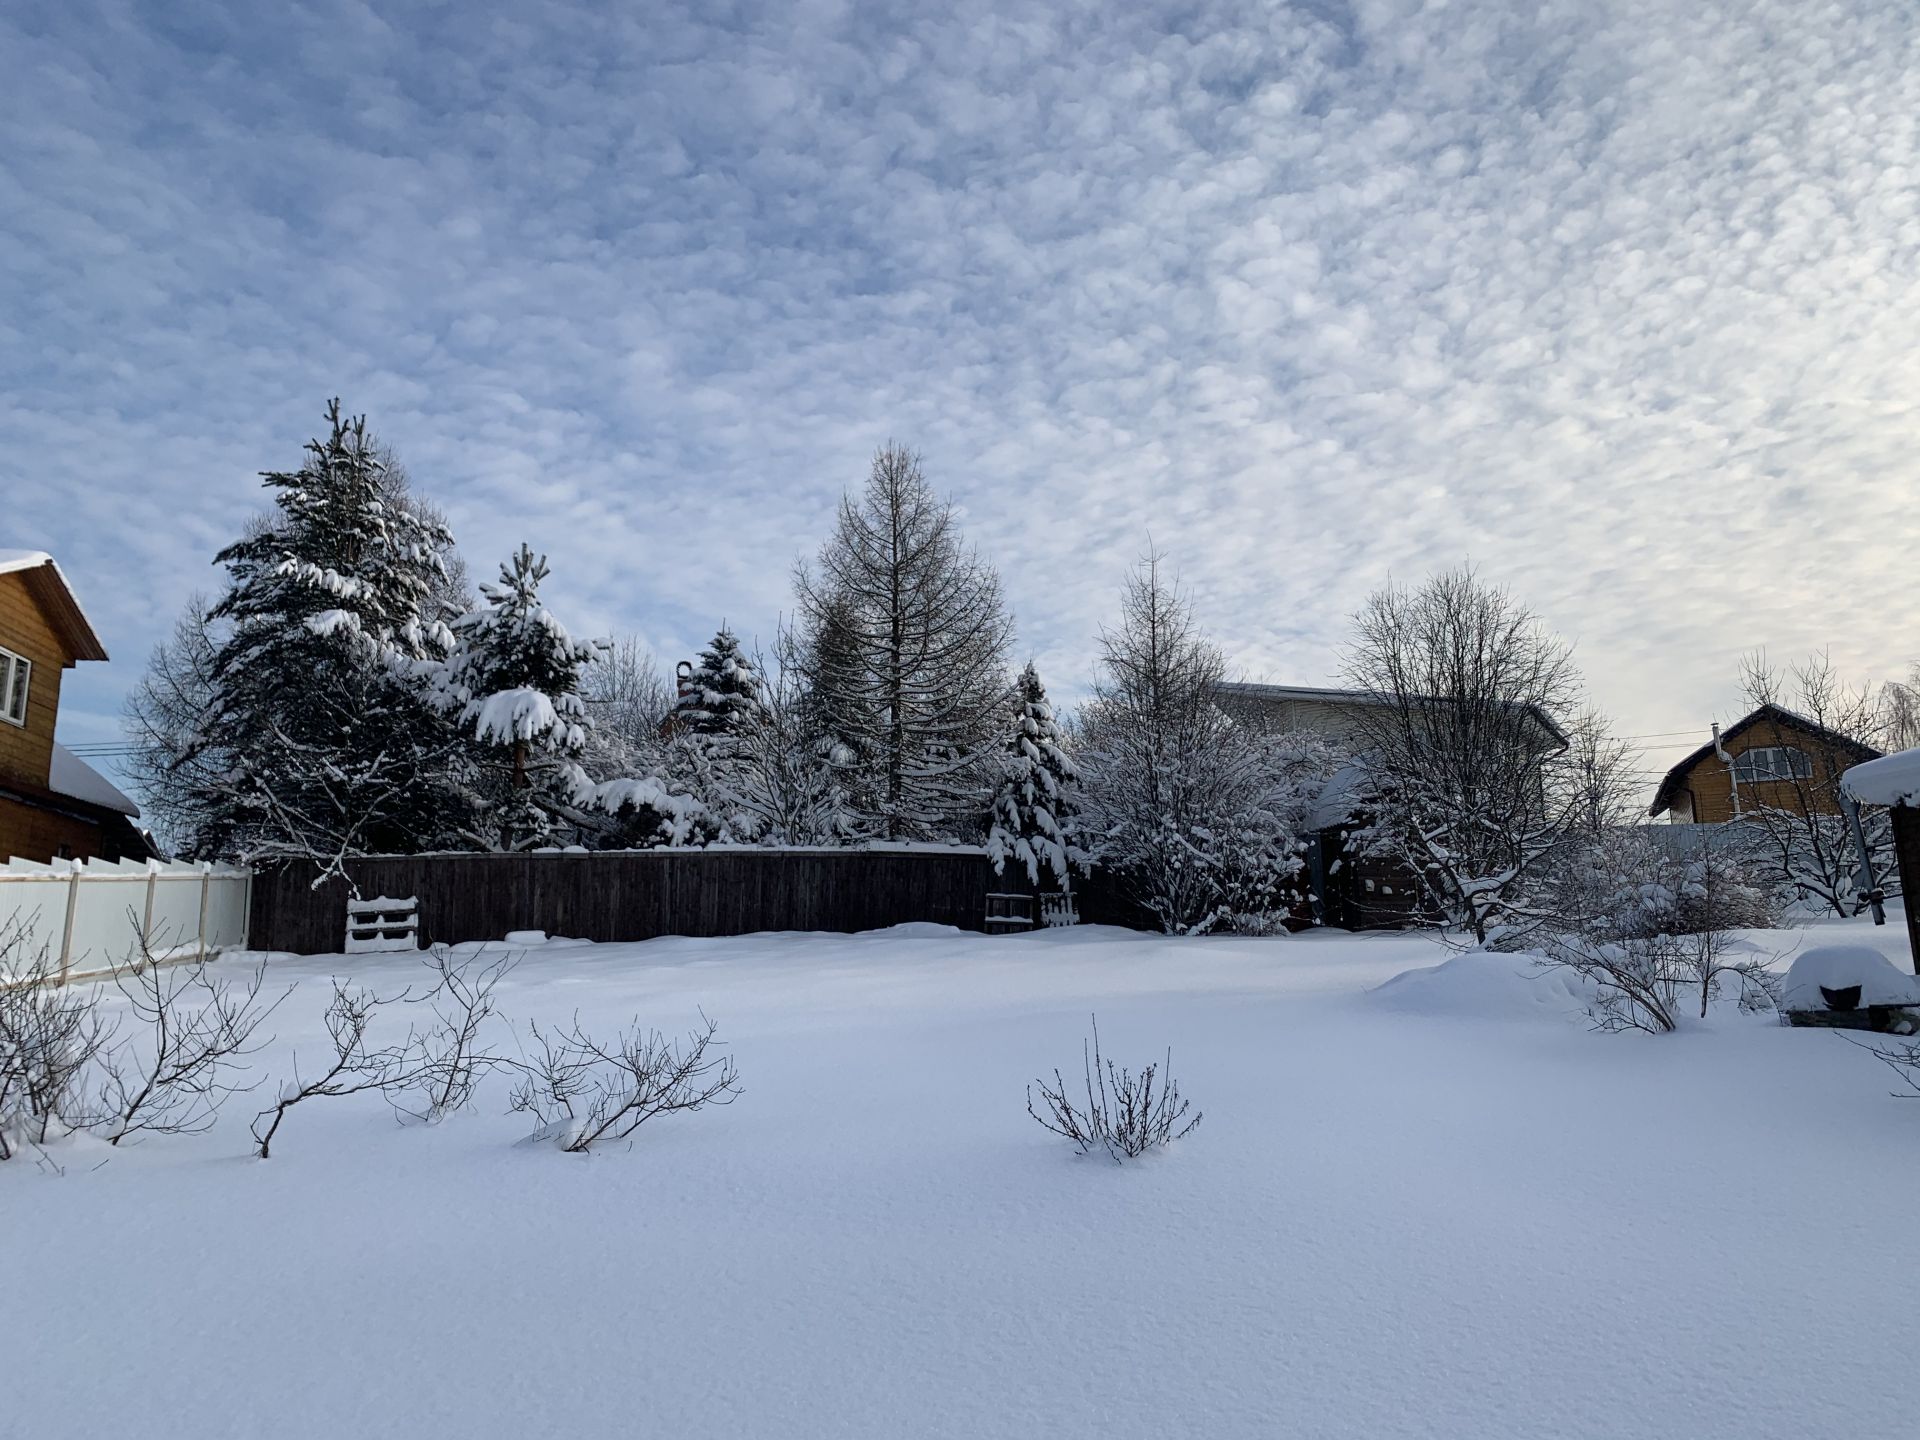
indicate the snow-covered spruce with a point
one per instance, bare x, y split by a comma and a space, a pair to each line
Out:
316, 740
722, 695
513, 682
1033, 807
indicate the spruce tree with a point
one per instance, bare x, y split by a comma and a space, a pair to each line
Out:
1032, 815
514, 682
723, 695
329, 747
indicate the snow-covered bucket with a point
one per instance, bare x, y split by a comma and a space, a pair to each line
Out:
1853, 987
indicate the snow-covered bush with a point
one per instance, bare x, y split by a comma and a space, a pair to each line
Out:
644, 814
583, 1092
1124, 1114
1197, 814
1650, 928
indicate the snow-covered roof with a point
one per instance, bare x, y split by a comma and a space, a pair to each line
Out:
71, 776
1890, 780
1325, 695
56, 598
1341, 798
11, 560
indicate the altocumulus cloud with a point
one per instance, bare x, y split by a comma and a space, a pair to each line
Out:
1616, 298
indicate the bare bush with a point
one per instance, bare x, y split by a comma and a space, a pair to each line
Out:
1125, 1114
200, 1031
582, 1091
444, 1061
1901, 1057
356, 1066
49, 1036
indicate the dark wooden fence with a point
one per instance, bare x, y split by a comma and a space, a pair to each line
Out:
630, 895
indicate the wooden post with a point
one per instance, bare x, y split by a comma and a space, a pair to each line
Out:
146, 922
206, 883
1906, 851
66, 935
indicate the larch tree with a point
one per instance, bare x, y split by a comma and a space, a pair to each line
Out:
322, 742
908, 636
1032, 816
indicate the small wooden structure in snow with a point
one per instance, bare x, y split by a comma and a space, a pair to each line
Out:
1894, 781
1851, 987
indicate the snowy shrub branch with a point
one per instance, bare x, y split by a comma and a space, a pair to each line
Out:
582, 1091
1124, 1114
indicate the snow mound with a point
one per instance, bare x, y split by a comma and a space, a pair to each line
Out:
524, 937
1487, 985
1839, 967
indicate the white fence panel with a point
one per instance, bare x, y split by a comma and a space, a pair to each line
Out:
34, 899
89, 915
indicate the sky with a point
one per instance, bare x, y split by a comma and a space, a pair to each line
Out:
1614, 299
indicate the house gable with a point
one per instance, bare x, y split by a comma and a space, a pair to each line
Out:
1700, 787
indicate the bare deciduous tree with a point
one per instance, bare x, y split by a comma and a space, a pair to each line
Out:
910, 658
1124, 1114
582, 1091
787, 775
629, 698
1464, 742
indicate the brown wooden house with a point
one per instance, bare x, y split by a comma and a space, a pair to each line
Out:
1770, 759
52, 804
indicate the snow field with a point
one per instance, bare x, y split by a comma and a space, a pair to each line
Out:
1428, 1206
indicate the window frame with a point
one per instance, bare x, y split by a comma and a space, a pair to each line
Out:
1800, 768
13, 663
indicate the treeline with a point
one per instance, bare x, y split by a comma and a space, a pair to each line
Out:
350, 692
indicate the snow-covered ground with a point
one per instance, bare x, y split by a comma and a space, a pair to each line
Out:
1439, 1208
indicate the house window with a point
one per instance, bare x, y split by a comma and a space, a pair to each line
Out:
1771, 762
16, 673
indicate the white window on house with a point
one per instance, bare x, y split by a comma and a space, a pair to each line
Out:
1771, 762
16, 674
